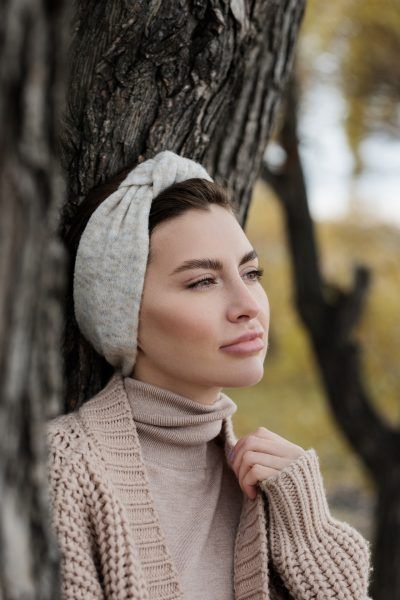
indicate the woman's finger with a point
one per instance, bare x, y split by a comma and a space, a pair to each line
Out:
264, 433
254, 475
257, 444
251, 458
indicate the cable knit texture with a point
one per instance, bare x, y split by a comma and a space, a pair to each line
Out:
113, 535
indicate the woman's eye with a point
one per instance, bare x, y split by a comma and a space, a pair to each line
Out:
258, 273
197, 283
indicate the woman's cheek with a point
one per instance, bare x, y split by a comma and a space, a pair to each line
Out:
181, 321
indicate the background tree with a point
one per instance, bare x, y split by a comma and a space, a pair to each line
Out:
361, 43
330, 314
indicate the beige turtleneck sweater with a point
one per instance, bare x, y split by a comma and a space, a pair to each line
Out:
196, 494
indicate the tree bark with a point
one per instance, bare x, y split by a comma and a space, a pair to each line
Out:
32, 264
329, 315
201, 79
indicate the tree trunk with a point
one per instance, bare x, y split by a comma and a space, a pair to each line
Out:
201, 79
329, 315
386, 582
32, 263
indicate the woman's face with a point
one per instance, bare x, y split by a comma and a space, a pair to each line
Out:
183, 322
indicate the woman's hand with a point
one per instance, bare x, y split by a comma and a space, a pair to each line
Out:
260, 455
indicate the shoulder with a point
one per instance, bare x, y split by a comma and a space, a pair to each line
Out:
68, 434
65, 436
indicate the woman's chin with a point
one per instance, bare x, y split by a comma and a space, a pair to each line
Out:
244, 375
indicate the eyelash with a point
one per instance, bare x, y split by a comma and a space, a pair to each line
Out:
258, 272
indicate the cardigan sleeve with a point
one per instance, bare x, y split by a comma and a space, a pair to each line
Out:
79, 576
316, 555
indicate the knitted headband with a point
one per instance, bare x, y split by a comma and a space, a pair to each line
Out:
112, 257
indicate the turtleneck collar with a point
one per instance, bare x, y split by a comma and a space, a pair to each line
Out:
175, 430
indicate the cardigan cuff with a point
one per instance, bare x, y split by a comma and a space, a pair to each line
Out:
297, 495
316, 555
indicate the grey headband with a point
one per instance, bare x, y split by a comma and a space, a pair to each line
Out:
112, 257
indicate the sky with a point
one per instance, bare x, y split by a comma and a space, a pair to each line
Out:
327, 162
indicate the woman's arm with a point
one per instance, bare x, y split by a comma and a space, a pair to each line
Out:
79, 576
316, 555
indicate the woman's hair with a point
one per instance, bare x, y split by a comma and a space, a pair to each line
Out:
195, 193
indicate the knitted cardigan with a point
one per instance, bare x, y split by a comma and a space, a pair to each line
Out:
112, 547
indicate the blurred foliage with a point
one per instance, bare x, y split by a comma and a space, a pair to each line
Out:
356, 45
290, 400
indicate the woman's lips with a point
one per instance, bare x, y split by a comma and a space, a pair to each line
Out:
245, 347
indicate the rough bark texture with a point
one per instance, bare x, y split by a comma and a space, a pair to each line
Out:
32, 263
329, 315
200, 78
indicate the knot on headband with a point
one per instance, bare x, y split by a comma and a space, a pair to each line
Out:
112, 255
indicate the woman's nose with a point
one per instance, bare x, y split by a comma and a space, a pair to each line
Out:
243, 301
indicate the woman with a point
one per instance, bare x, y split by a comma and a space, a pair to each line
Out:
152, 494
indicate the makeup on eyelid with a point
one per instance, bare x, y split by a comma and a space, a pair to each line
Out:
258, 272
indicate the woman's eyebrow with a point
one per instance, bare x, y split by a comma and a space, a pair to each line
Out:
211, 263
